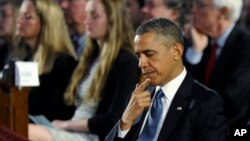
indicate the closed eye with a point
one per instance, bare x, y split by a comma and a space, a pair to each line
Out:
149, 53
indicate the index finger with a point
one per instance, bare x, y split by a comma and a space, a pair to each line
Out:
143, 85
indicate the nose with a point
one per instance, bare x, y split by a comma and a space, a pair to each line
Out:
19, 19
87, 20
64, 4
145, 9
143, 63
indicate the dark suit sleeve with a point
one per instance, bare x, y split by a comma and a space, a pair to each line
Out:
120, 84
211, 123
112, 136
131, 135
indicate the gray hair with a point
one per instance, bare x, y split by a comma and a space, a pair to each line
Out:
235, 7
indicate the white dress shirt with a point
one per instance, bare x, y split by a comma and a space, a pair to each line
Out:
169, 91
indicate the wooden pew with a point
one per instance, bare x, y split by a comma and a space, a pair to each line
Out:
14, 111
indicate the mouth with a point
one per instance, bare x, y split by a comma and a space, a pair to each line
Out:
147, 73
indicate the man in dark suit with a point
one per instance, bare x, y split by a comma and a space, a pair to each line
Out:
189, 110
230, 75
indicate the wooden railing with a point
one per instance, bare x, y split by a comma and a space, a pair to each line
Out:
14, 112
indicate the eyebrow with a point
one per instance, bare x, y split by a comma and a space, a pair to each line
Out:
145, 51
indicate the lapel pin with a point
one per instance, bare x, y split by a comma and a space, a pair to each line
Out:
179, 108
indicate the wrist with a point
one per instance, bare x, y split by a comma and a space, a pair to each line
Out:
125, 123
66, 125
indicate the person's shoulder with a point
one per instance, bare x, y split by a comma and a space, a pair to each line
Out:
126, 55
240, 32
203, 92
64, 59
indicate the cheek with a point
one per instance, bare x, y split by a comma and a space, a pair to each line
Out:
31, 29
102, 30
78, 15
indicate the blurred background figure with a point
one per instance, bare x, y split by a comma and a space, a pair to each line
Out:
222, 63
177, 11
74, 13
174, 10
245, 16
44, 38
8, 13
135, 11
106, 75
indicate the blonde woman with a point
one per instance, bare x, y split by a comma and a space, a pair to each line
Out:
44, 38
103, 80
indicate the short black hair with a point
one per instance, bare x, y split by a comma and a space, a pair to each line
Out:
162, 27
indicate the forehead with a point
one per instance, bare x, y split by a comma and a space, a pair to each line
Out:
94, 5
147, 41
154, 1
202, 1
5, 6
27, 5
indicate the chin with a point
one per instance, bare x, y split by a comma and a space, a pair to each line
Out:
153, 83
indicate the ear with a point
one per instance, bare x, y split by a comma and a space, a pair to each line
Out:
178, 51
224, 12
175, 14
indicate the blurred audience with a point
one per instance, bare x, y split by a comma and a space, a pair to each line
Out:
8, 13
44, 38
222, 63
245, 16
74, 13
134, 8
174, 10
103, 80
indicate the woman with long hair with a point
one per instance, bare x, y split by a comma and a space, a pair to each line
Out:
44, 38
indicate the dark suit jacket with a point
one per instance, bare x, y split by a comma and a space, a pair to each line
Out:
121, 81
231, 76
47, 99
201, 117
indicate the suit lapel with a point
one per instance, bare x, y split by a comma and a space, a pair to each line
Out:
177, 107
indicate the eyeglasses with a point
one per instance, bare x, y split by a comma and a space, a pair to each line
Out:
4, 15
150, 4
202, 4
70, 1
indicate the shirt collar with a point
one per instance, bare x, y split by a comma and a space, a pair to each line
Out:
222, 40
171, 87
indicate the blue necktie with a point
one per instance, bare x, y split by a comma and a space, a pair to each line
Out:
151, 125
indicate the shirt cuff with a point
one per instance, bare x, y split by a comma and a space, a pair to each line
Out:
122, 134
192, 56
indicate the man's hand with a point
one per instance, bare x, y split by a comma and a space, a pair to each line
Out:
200, 40
139, 101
